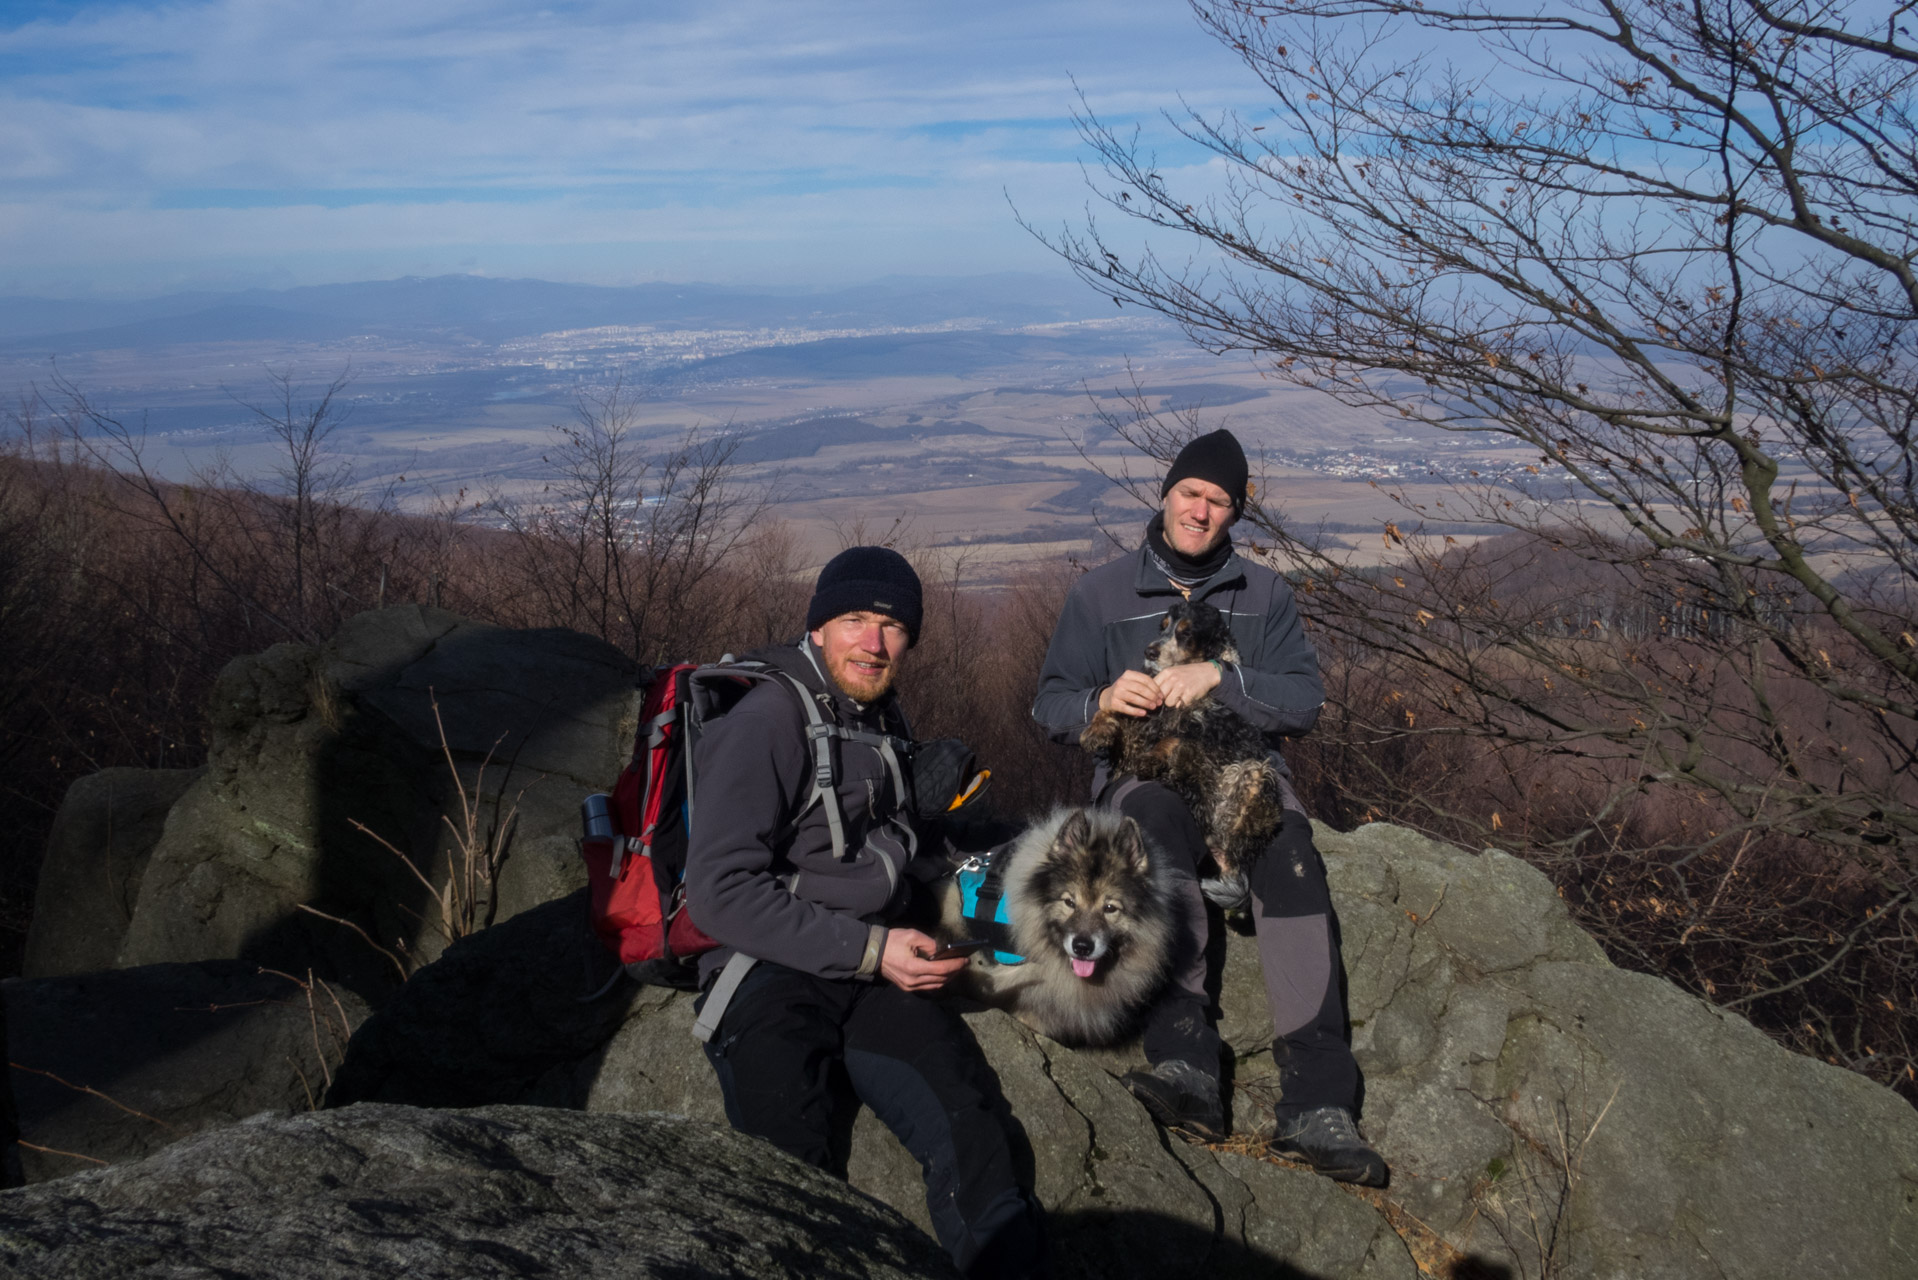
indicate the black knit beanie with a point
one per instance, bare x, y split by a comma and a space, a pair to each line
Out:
1216, 457
876, 579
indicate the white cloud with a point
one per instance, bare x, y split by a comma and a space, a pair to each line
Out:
843, 131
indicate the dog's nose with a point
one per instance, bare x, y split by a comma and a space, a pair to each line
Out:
1082, 946
1152, 652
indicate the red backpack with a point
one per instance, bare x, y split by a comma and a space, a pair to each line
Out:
636, 870
636, 862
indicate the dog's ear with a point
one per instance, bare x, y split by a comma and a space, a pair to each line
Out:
1130, 845
1076, 832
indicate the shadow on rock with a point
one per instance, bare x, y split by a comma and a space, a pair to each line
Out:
258, 865
266, 859
111, 1066
498, 1018
1100, 1245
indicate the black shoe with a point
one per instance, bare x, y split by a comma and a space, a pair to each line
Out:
1181, 1097
1327, 1140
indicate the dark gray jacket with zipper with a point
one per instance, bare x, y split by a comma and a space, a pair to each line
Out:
761, 876
1112, 614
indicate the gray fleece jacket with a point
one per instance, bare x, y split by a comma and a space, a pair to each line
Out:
1113, 612
760, 872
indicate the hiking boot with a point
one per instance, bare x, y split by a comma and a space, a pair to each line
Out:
1327, 1140
1181, 1097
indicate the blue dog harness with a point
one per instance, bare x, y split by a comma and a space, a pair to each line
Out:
983, 903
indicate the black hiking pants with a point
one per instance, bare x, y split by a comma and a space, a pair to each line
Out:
778, 1052
1298, 956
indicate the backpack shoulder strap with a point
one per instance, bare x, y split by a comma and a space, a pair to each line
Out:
721, 995
889, 748
820, 731
825, 790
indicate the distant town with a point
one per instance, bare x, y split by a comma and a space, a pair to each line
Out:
976, 414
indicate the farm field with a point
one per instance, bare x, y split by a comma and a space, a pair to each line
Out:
966, 432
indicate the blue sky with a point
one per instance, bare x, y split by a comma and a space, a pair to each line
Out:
227, 143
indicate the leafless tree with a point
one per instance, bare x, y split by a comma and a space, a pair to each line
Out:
1666, 250
622, 540
310, 480
40, 539
294, 554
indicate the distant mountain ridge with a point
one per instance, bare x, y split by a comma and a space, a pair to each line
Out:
211, 324
490, 310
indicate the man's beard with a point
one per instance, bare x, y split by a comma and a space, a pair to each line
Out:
874, 687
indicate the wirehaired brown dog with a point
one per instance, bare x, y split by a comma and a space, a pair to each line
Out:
1090, 918
1206, 752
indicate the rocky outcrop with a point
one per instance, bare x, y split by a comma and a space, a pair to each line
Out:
1518, 1083
1532, 1100
1543, 1112
310, 745
96, 857
504, 1191
111, 1066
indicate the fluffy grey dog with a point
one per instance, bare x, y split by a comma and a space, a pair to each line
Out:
1091, 914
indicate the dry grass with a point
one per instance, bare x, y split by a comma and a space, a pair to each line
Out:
330, 1029
1433, 1254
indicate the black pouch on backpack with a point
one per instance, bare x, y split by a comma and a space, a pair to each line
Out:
945, 778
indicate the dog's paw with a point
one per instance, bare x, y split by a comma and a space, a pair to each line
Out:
1230, 892
1102, 735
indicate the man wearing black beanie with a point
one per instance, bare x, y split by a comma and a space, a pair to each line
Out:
1217, 459
1092, 664
859, 592
798, 866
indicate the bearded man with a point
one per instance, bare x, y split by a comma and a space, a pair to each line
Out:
816, 982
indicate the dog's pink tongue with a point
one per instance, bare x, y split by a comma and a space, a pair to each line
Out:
1083, 968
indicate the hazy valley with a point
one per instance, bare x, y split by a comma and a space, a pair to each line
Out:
966, 412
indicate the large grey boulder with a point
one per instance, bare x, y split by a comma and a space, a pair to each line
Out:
96, 856
309, 745
1520, 1085
503, 1191
111, 1066
1543, 1112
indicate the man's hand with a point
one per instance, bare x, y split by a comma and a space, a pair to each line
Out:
1133, 694
1183, 686
904, 962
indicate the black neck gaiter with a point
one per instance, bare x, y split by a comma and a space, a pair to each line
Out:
1181, 568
